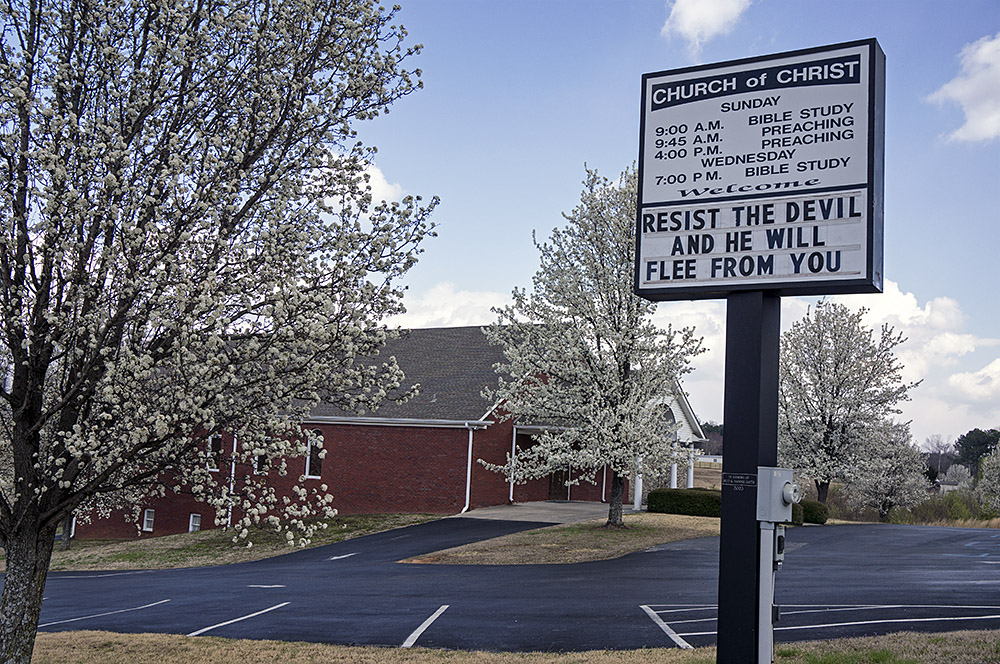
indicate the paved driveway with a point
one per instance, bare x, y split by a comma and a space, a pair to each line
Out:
837, 581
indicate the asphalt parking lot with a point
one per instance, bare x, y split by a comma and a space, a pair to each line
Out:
845, 580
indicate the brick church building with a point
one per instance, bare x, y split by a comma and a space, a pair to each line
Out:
420, 456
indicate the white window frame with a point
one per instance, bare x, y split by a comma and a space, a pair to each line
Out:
318, 441
148, 517
212, 461
192, 526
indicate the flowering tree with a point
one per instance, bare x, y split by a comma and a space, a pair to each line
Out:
838, 381
187, 244
582, 354
988, 487
892, 473
960, 476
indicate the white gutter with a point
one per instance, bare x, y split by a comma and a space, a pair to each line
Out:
398, 422
468, 475
513, 451
232, 479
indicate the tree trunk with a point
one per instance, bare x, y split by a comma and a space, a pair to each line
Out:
822, 490
615, 506
29, 551
67, 531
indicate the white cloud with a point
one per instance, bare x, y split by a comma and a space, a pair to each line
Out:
936, 342
704, 383
977, 90
697, 21
982, 385
948, 402
934, 331
382, 189
446, 306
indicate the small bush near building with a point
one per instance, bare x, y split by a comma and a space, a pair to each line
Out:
798, 517
814, 511
693, 502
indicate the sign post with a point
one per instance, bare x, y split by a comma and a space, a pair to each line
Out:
759, 178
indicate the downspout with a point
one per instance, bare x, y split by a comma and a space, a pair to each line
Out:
604, 485
513, 451
232, 480
468, 474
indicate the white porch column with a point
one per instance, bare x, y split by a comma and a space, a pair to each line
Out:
691, 469
637, 489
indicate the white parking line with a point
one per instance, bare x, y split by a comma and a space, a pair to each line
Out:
346, 555
865, 622
97, 576
412, 638
674, 636
900, 620
235, 620
276, 585
98, 615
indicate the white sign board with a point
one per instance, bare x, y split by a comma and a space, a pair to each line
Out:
763, 174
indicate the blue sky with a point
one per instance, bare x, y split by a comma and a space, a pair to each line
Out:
519, 95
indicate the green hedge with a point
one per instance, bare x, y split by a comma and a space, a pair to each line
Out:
814, 511
694, 502
708, 502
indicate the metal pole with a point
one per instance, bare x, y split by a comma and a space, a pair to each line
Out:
765, 603
750, 414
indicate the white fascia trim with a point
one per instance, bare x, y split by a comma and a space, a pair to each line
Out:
688, 413
490, 411
398, 422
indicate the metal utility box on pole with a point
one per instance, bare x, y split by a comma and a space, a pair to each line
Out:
759, 178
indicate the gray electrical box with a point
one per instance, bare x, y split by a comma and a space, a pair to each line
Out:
776, 492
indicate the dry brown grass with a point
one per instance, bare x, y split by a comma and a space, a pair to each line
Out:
965, 647
708, 478
577, 542
212, 547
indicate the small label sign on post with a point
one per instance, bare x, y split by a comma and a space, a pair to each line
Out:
759, 178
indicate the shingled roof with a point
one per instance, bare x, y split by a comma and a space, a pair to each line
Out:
452, 365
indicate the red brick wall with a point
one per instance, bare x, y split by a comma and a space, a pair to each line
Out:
369, 470
170, 517
373, 469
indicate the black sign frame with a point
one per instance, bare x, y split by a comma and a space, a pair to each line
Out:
871, 282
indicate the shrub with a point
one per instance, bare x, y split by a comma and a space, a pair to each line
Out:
952, 506
798, 517
693, 502
814, 511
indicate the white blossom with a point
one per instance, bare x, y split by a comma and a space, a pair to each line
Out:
582, 355
169, 269
891, 474
839, 383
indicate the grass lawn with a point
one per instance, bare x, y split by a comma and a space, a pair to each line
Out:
577, 542
965, 647
212, 547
